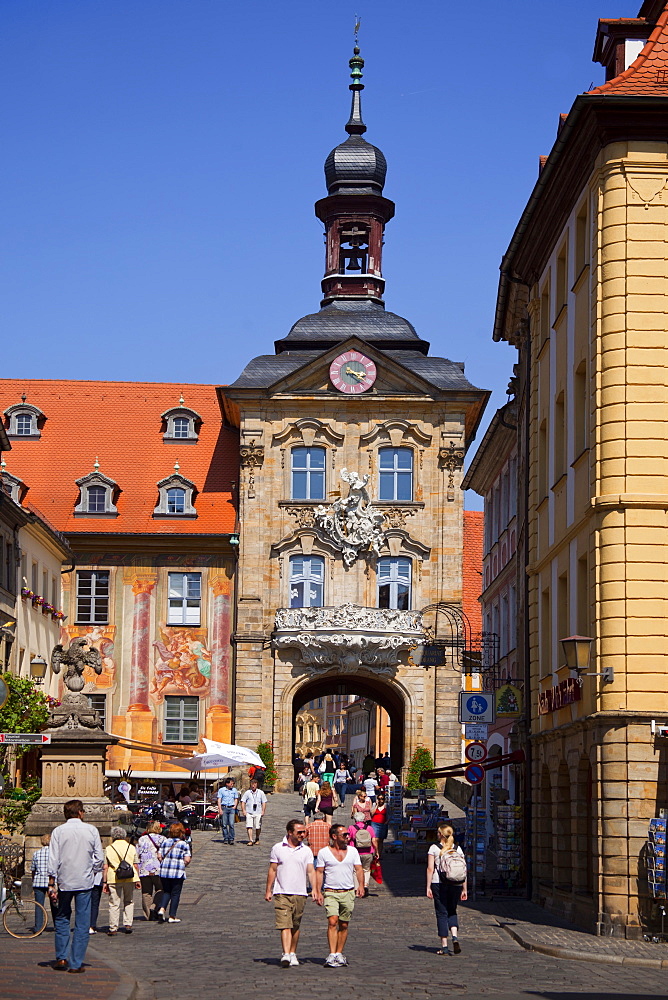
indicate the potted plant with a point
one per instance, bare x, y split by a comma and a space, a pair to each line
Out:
420, 761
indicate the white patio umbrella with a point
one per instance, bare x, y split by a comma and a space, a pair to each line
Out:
217, 755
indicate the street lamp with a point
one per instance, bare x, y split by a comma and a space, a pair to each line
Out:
38, 669
577, 650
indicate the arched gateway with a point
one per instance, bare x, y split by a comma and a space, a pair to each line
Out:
352, 439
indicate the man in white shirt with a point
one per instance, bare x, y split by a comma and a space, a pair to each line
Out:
290, 863
253, 806
75, 856
338, 878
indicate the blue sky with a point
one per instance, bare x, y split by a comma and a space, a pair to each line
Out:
161, 159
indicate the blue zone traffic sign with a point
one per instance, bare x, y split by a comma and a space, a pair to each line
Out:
475, 707
474, 774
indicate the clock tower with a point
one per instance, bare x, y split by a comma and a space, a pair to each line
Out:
352, 439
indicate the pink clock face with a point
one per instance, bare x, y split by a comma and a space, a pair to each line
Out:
352, 373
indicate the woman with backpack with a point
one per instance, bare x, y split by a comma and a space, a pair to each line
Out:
361, 838
149, 869
446, 885
120, 875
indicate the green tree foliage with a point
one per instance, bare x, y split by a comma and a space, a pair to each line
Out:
266, 752
420, 761
25, 711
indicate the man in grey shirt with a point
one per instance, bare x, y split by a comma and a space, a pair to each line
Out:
75, 856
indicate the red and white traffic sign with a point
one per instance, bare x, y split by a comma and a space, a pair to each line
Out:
25, 738
475, 752
474, 774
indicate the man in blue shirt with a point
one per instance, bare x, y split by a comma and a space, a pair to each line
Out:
228, 797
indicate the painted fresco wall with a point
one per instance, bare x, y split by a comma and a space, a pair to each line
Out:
146, 660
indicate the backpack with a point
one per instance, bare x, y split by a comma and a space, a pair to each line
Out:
363, 841
124, 870
452, 865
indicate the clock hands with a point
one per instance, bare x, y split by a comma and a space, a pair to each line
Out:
359, 375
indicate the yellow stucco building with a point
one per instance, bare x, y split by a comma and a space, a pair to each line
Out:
583, 297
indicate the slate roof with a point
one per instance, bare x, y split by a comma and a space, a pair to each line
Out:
647, 76
120, 423
264, 371
340, 319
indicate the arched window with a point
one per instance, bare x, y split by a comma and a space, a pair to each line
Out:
395, 476
176, 500
307, 576
394, 582
308, 473
97, 499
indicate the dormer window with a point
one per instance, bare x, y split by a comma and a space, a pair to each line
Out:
182, 424
12, 486
24, 421
176, 498
97, 494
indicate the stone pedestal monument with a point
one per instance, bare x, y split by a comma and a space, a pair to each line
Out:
73, 763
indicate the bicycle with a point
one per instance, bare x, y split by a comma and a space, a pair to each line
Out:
20, 918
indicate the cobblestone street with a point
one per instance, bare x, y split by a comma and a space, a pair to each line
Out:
226, 944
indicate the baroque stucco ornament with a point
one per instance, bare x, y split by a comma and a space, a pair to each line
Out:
348, 637
351, 523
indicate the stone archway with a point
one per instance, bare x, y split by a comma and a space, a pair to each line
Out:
391, 694
364, 687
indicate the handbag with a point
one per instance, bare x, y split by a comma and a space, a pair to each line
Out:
124, 870
376, 871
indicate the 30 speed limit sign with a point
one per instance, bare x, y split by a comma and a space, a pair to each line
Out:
476, 752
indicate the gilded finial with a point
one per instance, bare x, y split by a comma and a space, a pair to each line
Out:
96, 464
176, 466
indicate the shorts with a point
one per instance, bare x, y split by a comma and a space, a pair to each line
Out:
327, 810
254, 821
340, 904
309, 807
288, 911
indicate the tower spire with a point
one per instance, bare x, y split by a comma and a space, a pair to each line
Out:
355, 125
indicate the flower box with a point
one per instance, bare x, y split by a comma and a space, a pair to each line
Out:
26, 593
37, 601
47, 609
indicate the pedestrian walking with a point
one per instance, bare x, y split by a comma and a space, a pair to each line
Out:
318, 834
148, 846
228, 799
327, 768
379, 824
361, 837
120, 877
39, 869
339, 878
174, 856
361, 808
341, 779
75, 855
371, 786
290, 864
253, 805
95, 899
310, 796
325, 801
446, 885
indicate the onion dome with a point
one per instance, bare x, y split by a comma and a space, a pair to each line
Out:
355, 166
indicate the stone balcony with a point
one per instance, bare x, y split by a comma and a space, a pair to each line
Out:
348, 636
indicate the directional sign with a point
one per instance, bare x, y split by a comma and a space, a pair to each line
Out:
24, 738
476, 707
476, 731
476, 752
474, 774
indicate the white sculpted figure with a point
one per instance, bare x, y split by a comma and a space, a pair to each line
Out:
351, 522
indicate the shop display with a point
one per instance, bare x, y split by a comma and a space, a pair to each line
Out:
508, 827
656, 858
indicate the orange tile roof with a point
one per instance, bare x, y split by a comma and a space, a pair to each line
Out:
648, 74
472, 567
120, 423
